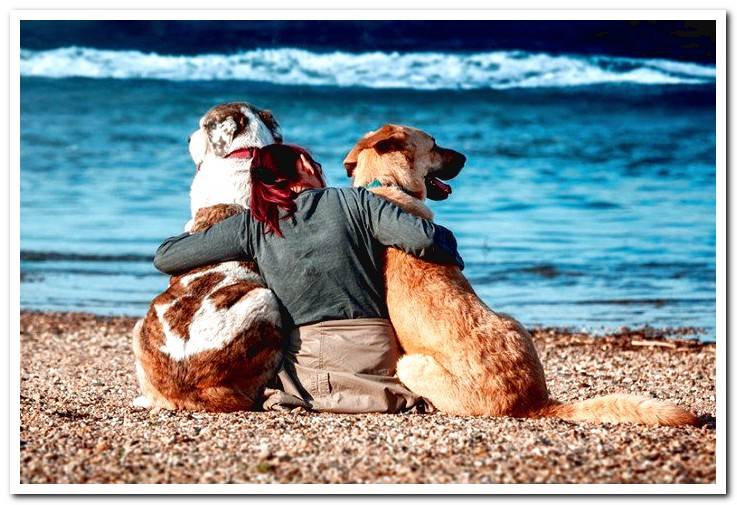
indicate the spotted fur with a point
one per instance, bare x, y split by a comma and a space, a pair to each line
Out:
224, 129
212, 339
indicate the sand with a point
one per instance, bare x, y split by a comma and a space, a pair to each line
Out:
77, 425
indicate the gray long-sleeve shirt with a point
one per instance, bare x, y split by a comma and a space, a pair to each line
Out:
328, 264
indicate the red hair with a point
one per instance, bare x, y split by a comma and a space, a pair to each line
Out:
274, 169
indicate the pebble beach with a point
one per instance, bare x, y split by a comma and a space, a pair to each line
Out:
78, 426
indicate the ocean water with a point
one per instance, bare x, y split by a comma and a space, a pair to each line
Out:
588, 198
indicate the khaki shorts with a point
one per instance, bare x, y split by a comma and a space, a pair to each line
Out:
344, 366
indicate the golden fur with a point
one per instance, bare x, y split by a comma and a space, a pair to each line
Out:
461, 355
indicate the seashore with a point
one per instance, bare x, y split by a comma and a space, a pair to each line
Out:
77, 424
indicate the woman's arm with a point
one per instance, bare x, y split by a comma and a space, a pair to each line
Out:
394, 227
223, 241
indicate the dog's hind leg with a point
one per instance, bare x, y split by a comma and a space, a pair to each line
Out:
424, 376
150, 397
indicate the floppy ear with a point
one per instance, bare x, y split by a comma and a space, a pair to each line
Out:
385, 139
268, 118
220, 134
351, 160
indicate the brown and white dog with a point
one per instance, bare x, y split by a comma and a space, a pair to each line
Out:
222, 149
212, 340
461, 355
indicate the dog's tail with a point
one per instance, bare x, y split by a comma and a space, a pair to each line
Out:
620, 408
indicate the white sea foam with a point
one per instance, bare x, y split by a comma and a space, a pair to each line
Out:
414, 70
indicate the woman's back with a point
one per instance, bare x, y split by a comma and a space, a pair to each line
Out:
327, 264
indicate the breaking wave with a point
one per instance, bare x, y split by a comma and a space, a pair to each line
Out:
404, 70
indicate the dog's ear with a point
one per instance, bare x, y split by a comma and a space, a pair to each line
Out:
351, 160
385, 139
220, 134
268, 118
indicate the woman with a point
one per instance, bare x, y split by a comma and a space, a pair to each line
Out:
320, 250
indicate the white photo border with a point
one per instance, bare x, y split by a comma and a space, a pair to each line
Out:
13, 277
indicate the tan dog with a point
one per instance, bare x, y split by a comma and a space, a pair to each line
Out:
461, 355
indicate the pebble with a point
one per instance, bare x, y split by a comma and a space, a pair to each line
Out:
75, 431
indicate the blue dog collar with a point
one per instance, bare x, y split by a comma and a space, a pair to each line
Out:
376, 184
373, 184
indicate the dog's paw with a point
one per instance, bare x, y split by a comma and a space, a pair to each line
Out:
412, 371
189, 225
142, 402
424, 376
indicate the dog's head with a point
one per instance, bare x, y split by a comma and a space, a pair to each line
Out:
230, 131
406, 157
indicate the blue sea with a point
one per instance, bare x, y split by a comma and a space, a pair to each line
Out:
588, 198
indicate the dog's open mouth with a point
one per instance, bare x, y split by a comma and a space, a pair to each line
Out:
437, 189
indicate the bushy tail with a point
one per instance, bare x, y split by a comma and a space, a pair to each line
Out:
620, 408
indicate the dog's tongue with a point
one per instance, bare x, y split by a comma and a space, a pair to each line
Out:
438, 187
241, 153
